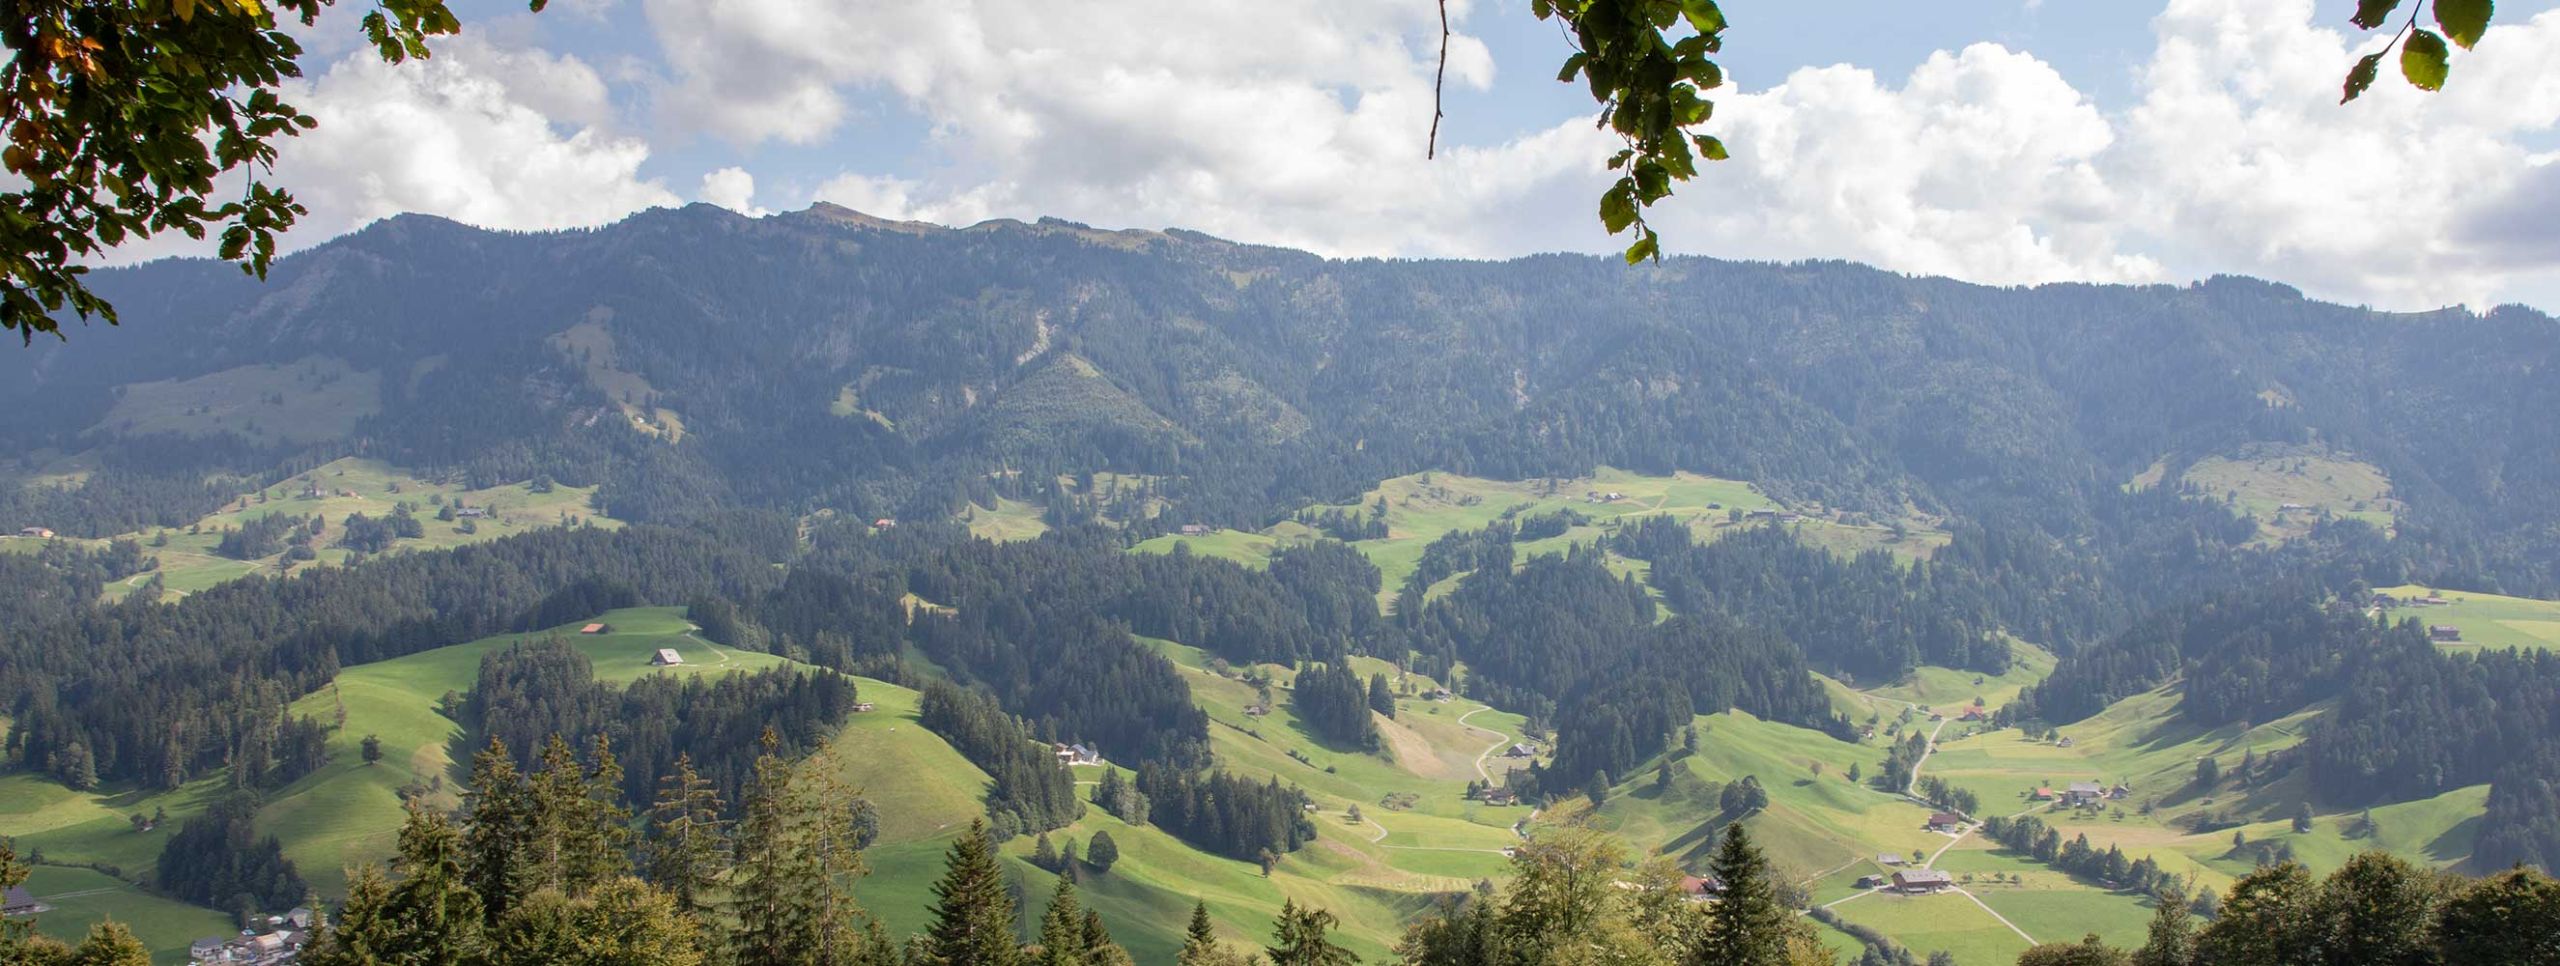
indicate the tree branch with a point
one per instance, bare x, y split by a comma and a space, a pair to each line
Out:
1432, 149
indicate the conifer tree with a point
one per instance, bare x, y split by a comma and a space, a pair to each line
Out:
792, 853
1062, 927
1099, 950
1748, 926
688, 845
1200, 941
2172, 940
1300, 940
109, 943
499, 811
1044, 853
973, 916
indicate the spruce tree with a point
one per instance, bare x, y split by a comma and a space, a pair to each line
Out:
973, 913
1200, 941
688, 844
1062, 927
1099, 950
777, 912
1300, 940
1748, 925
498, 811
2173, 933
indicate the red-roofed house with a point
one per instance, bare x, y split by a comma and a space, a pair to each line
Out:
593, 629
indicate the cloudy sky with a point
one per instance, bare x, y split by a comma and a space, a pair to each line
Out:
2001, 141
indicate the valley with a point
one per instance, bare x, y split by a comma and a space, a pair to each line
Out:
1426, 561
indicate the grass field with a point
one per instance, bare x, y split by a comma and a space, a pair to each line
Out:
309, 400
1010, 520
1947, 922
347, 811
332, 491
1423, 506
81, 898
2287, 488
2486, 620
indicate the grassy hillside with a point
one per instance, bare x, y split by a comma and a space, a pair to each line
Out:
80, 898
333, 491
2486, 620
309, 400
2287, 488
1423, 506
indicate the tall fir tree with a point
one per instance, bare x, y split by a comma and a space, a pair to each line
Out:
1300, 938
2172, 939
688, 843
498, 810
1747, 926
1062, 927
973, 915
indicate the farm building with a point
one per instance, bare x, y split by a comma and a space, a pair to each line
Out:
35, 533
1889, 858
2042, 794
1194, 530
1870, 882
470, 512
1077, 754
1500, 796
17, 901
1922, 880
596, 629
1973, 714
862, 706
1945, 821
667, 657
1699, 888
884, 523
1520, 751
1437, 694
2083, 793
2443, 632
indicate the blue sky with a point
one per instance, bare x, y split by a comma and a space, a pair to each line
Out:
2003, 142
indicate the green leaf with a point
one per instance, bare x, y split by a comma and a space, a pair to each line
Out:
2464, 20
2422, 60
1572, 66
2371, 13
1711, 148
2367, 68
1647, 246
1703, 15
1618, 207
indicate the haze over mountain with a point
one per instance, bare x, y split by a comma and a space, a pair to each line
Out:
1357, 575
693, 357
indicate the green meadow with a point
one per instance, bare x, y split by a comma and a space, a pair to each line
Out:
81, 898
1422, 507
2485, 620
2287, 488
333, 491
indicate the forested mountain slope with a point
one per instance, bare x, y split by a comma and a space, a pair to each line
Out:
691, 358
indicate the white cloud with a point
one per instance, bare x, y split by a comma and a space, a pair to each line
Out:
497, 138
1311, 134
732, 188
2240, 158
448, 136
1983, 165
